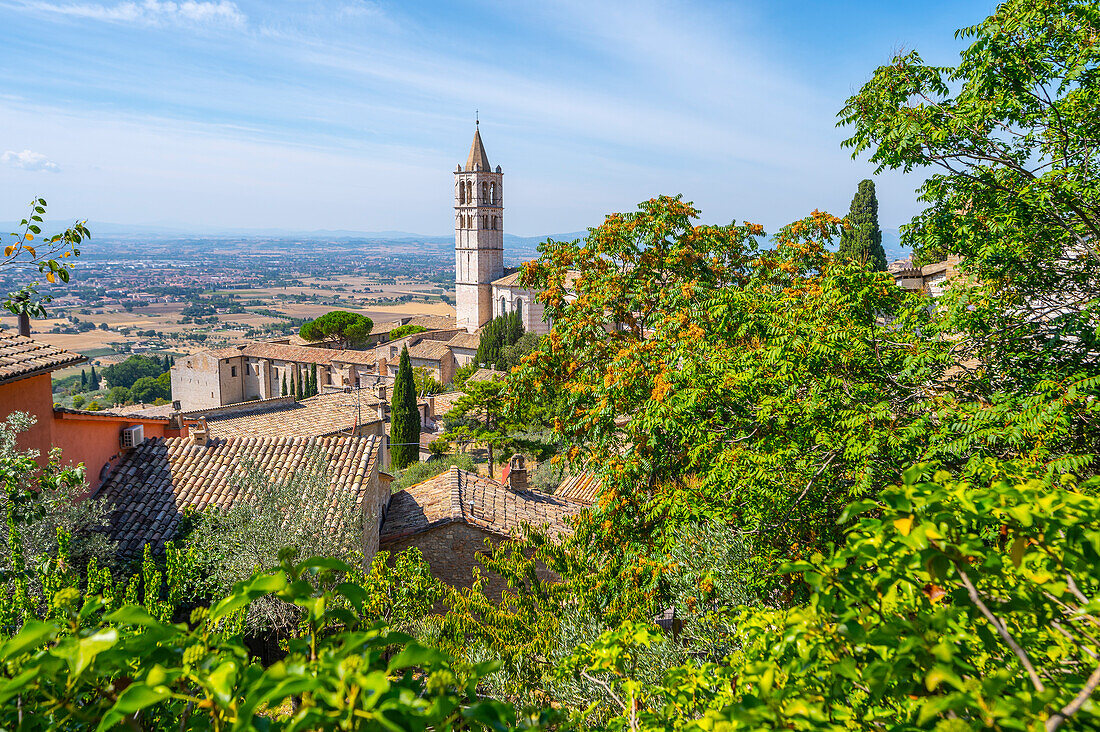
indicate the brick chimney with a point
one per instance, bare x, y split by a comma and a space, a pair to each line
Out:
24, 325
517, 474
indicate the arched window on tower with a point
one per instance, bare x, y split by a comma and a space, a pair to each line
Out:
485, 221
469, 192
461, 193
484, 192
493, 194
493, 221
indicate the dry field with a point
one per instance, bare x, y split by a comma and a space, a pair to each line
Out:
164, 317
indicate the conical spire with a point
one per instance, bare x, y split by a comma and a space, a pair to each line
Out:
477, 153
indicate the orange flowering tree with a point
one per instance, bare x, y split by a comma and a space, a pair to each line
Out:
706, 376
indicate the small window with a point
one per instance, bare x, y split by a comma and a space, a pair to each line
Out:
232, 370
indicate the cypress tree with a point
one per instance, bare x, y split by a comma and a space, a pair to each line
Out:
404, 417
284, 384
167, 364
313, 381
862, 240
83, 380
93, 380
294, 384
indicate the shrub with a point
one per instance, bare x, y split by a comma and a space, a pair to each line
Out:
418, 472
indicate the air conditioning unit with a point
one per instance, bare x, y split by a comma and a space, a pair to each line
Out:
131, 437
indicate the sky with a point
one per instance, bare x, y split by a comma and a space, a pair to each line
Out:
352, 114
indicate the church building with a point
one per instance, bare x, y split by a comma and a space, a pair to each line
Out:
484, 289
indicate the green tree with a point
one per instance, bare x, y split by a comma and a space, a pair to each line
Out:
313, 390
93, 380
147, 389
1005, 138
861, 240
499, 333
284, 393
479, 416
405, 330
340, 328
132, 369
119, 395
404, 416
83, 380
425, 382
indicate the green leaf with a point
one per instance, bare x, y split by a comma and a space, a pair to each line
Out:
33, 635
86, 649
135, 698
415, 654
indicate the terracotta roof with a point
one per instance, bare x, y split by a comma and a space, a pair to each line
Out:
154, 483
461, 496
508, 280
61, 412
429, 350
477, 153
466, 340
145, 411
581, 488
285, 352
317, 416
446, 401
21, 357
487, 375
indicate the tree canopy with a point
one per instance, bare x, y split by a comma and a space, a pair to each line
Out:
133, 368
340, 328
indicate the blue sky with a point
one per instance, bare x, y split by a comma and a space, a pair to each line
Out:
352, 114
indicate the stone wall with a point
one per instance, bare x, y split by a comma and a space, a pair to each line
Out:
452, 553
198, 382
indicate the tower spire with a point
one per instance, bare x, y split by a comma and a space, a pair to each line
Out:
477, 152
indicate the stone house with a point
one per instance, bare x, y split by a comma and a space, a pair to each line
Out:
931, 278
449, 517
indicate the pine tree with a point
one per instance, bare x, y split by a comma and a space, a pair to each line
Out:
404, 416
284, 384
862, 240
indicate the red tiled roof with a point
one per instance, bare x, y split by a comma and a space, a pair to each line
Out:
581, 488
155, 482
460, 496
317, 416
21, 357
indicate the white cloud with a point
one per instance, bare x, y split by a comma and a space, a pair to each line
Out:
28, 160
154, 12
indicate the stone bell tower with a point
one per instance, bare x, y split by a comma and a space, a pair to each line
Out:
479, 237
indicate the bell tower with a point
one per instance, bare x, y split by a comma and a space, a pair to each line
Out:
479, 237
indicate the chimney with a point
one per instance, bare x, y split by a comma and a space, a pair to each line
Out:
24, 325
431, 407
199, 432
380, 390
382, 411
517, 474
